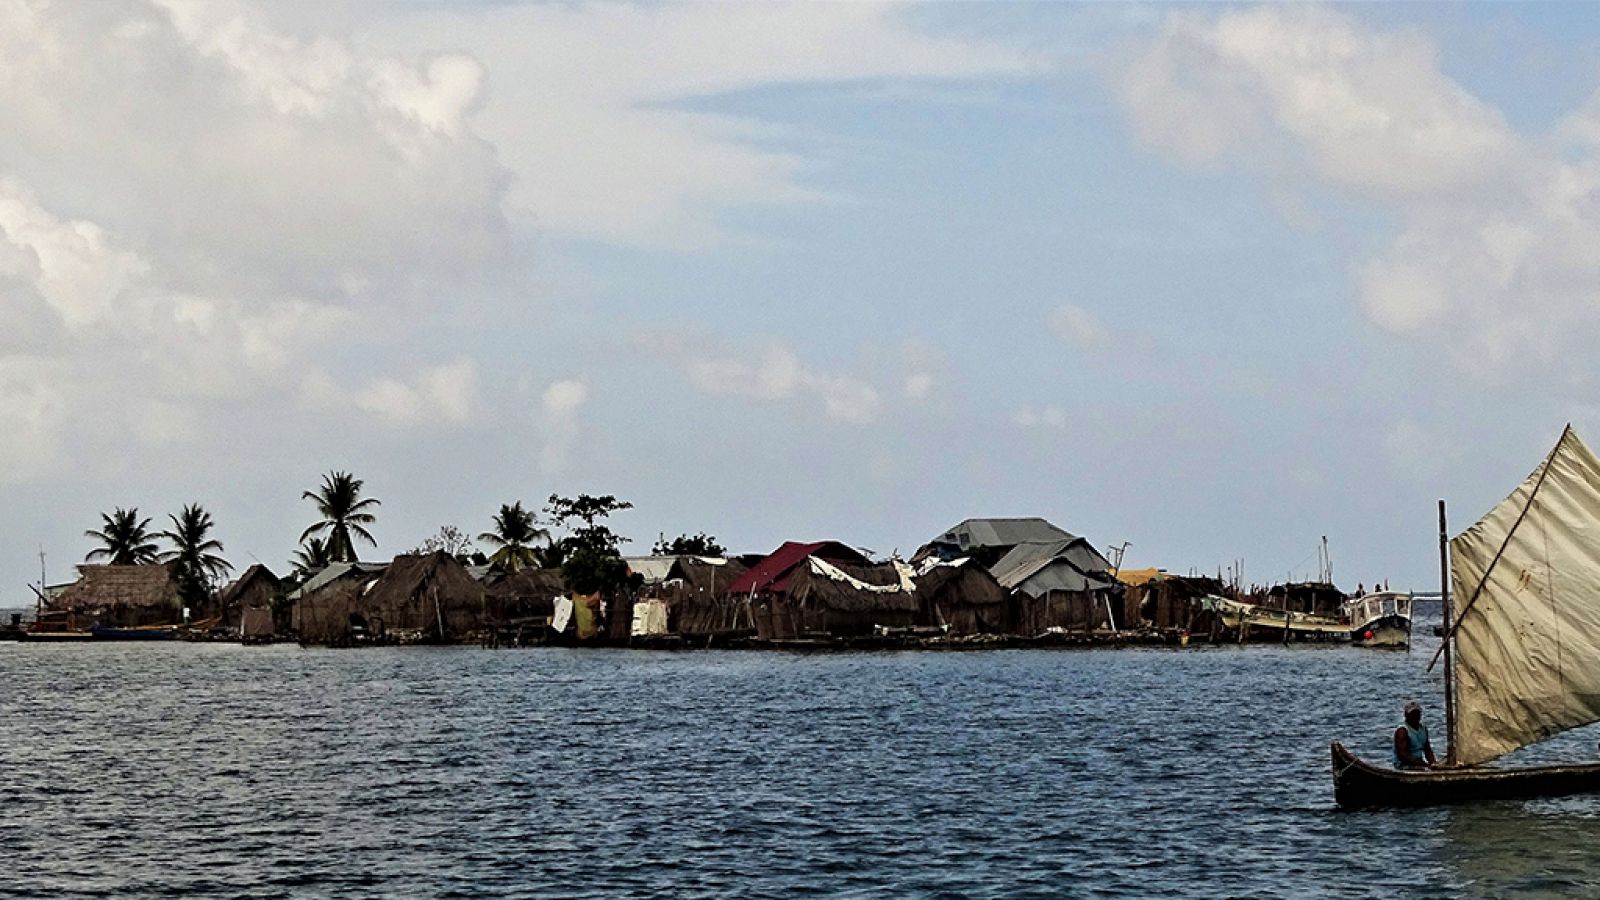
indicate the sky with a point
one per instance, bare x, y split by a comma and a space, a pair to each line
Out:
1214, 281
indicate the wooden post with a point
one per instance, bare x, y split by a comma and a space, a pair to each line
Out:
1449, 668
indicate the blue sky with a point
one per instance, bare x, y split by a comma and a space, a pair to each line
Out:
1214, 280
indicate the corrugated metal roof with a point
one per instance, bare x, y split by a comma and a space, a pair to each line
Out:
769, 574
1039, 567
973, 533
334, 572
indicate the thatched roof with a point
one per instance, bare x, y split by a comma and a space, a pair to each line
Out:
257, 578
704, 576
529, 583
842, 587
125, 586
411, 579
961, 583
771, 573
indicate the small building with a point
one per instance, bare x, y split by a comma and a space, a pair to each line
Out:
962, 597
700, 600
424, 598
525, 599
311, 603
820, 599
1061, 586
257, 588
120, 597
988, 540
1174, 603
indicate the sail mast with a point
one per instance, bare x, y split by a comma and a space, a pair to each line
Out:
1449, 670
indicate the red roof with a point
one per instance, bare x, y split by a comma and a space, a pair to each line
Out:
772, 573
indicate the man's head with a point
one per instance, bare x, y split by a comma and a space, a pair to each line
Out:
1413, 714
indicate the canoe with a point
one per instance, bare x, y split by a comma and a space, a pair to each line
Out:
1361, 785
147, 633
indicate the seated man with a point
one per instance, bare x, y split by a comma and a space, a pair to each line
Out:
1412, 750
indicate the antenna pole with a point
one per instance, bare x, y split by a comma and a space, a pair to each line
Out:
1449, 667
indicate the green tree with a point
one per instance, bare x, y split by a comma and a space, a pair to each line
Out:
310, 558
195, 555
125, 539
345, 514
591, 562
515, 531
701, 544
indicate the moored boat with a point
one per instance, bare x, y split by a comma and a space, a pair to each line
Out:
144, 633
1521, 645
1380, 619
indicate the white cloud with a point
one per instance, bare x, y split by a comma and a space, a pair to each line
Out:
582, 101
435, 396
188, 198
1364, 110
1493, 255
770, 372
1079, 327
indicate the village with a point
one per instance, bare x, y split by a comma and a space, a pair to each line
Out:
984, 582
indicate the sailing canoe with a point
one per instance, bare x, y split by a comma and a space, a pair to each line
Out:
1521, 645
1360, 785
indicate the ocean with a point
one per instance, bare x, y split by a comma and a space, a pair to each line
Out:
215, 769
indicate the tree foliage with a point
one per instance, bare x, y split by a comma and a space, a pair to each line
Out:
590, 562
125, 539
345, 515
700, 544
516, 529
310, 558
195, 555
452, 540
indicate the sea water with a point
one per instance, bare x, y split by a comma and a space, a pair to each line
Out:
147, 769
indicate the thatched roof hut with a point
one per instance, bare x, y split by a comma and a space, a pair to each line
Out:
523, 596
255, 589
699, 597
771, 574
122, 596
425, 598
962, 596
838, 600
1174, 602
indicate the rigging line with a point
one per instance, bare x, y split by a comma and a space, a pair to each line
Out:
1455, 626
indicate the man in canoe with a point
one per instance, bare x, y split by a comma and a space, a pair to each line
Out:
1412, 749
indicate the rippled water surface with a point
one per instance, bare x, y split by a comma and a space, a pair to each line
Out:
277, 771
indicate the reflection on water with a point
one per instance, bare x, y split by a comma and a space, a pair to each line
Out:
276, 771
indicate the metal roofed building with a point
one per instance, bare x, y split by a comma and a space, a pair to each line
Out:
990, 539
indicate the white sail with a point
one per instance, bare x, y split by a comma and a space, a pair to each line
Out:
1527, 643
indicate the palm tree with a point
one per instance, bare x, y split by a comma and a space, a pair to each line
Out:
515, 530
125, 539
311, 557
344, 513
194, 555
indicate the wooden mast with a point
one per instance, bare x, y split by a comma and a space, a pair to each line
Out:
1449, 669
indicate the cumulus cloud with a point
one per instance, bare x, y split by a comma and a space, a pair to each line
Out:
770, 372
585, 101
1495, 230
194, 204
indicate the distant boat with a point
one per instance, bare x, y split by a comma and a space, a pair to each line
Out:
1381, 619
1522, 644
147, 633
